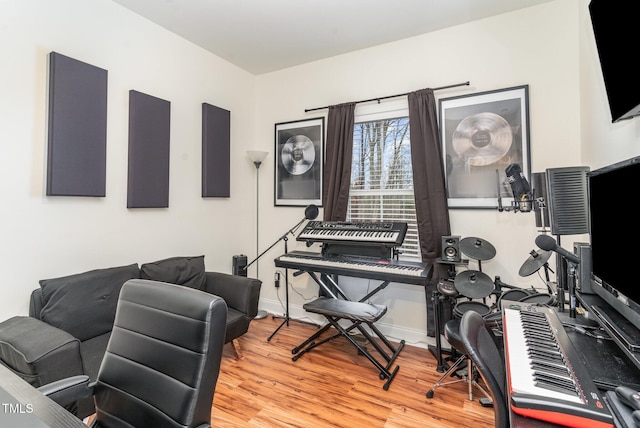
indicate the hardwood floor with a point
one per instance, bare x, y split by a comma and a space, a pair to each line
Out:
333, 386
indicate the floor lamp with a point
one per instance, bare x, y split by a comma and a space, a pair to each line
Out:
257, 157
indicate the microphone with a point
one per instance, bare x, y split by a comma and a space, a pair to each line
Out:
547, 243
519, 187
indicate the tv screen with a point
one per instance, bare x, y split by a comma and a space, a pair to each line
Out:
615, 31
615, 235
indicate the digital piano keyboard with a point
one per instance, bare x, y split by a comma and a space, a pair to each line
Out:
546, 378
364, 233
361, 267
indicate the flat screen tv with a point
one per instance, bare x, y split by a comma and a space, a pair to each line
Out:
615, 30
614, 231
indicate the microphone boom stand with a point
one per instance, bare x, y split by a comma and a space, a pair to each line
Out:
284, 238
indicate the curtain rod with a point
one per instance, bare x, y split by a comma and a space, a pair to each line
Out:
467, 83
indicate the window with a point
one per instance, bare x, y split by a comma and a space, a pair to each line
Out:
381, 175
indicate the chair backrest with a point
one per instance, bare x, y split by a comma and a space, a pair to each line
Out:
481, 346
163, 358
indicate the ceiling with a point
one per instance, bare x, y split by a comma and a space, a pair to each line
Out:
261, 36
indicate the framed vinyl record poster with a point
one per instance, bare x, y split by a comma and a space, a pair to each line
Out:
482, 134
299, 153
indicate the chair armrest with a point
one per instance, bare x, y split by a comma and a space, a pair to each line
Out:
38, 352
67, 391
239, 292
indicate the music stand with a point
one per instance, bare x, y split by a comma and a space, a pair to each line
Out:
310, 213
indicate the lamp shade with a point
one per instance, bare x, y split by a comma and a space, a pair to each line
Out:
256, 155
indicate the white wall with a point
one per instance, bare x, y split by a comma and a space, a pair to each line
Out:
44, 237
538, 46
548, 47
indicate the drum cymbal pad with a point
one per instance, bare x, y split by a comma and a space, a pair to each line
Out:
473, 284
477, 248
534, 262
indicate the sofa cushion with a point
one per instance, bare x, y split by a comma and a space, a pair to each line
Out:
84, 304
92, 352
187, 271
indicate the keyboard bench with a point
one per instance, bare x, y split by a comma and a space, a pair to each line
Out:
358, 313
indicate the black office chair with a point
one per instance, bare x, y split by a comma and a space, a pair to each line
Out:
483, 348
162, 361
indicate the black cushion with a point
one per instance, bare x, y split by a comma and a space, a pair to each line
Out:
84, 304
357, 311
187, 271
452, 334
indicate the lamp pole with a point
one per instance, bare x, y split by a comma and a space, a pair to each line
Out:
257, 157
257, 164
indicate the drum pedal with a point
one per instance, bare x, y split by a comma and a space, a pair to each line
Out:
485, 402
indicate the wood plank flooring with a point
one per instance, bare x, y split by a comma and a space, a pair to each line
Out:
333, 386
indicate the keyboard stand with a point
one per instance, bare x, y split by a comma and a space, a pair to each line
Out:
331, 287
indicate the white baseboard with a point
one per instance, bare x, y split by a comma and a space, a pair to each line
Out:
394, 333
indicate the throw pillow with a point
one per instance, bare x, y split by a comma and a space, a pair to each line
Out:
187, 271
84, 304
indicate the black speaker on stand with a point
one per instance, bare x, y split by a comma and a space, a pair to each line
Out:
451, 249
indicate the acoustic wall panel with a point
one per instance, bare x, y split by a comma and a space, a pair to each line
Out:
568, 200
215, 151
77, 128
149, 126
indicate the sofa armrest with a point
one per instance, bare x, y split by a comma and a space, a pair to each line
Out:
38, 352
36, 303
239, 292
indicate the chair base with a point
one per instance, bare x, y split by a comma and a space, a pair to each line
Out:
467, 374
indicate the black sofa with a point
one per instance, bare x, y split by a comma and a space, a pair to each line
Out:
70, 318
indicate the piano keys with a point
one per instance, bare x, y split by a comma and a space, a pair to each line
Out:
388, 233
546, 379
361, 267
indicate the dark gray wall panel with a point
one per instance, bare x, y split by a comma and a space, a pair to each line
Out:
77, 134
149, 126
215, 151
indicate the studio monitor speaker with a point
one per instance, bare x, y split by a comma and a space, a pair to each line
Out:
567, 200
583, 251
451, 249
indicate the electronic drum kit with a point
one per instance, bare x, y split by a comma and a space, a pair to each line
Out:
475, 284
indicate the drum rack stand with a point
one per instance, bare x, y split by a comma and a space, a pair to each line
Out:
438, 352
437, 297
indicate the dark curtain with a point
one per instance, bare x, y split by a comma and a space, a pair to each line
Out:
432, 211
339, 153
